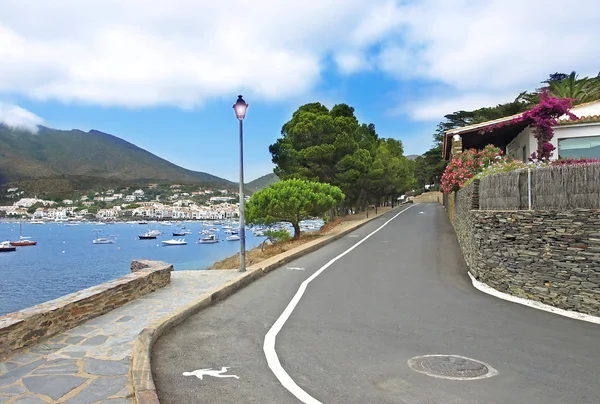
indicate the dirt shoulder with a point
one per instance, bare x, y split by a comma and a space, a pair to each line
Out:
256, 255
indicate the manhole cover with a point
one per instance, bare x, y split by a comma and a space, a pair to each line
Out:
452, 367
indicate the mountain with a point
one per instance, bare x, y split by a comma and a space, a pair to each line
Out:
412, 156
262, 182
85, 157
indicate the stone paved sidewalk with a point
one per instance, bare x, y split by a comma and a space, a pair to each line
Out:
89, 364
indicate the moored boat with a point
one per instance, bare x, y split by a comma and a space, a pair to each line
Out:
182, 232
23, 241
209, 239
233, 237
6, 247
180, 241
103, 240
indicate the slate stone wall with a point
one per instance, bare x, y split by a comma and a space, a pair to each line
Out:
548, 256
28, 326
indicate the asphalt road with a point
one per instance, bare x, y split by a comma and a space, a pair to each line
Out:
402, 293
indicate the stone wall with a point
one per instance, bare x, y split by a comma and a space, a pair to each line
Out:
426, 197
28, 326
548, 256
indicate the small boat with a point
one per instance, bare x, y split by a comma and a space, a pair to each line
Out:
36, 222
142, 222
23, 241
103, 240
209, 239
233, 237
6, 247
182, 232
150, 234
180, 241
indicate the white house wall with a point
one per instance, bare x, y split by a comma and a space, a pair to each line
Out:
586, 110
526, 138
515, 148
575, 131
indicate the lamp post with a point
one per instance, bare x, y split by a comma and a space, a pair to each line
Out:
240, 108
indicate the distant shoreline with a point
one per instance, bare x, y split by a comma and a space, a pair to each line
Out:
11, 220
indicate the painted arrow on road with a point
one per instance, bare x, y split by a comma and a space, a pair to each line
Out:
200, 373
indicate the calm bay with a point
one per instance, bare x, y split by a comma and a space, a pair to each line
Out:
65, 260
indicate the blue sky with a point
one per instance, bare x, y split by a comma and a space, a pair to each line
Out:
164, 77
206, 138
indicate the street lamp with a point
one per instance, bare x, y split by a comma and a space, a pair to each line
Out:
240, 108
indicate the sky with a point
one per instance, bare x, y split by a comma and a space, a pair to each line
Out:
164, 75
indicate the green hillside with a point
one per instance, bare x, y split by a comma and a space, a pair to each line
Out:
262, 182
80, 158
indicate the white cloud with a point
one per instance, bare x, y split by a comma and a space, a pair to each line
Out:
435, 107
351, 61
187, 52
183, 53
17, 117
486, 52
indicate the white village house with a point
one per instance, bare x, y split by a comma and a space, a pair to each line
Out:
572, 139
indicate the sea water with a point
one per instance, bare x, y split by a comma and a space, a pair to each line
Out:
65, 260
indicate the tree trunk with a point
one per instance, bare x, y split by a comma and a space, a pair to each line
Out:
296, 230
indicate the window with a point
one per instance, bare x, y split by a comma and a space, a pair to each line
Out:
580, 147
524, 157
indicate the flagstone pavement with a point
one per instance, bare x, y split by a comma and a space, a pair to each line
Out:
89, 364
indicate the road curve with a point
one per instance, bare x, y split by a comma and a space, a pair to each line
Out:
401, 293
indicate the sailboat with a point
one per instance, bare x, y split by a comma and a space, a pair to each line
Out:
23, 241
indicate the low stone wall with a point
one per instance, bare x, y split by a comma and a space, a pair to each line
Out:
548, 256
28, 326
426, 197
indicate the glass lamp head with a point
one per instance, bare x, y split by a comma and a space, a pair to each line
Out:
240, 108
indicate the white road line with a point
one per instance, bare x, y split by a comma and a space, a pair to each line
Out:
269, 344
485, 288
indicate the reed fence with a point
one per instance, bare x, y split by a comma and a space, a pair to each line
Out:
548, 188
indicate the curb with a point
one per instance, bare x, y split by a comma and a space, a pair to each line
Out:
144, 390
485, 288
